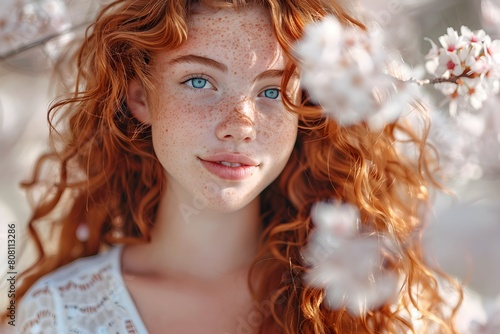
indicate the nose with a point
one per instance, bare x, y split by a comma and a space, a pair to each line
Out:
238, 123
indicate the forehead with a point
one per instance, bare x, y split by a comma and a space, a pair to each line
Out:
231, 34
255, 19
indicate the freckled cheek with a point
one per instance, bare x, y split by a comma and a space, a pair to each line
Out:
177, 122
180, 108
280, 132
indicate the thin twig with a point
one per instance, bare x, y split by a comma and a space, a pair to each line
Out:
41, 41
452, 79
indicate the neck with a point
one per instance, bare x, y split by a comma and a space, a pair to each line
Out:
189, 240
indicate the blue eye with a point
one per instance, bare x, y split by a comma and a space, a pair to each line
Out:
198, 83
272, 93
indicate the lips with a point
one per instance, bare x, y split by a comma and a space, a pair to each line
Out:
231, 160
229, 166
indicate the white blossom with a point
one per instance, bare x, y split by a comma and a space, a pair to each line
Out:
449, 64
339, 221
467, 67
472, 36
451, 41
344, 70
348, 264
473, 92
432, 56
492, 55
490, 15
492, 323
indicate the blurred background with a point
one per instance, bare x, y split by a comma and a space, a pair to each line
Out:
33, 32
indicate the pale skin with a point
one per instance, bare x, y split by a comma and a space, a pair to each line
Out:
219, 92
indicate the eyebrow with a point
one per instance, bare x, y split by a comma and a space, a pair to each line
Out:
190, 58
272, 74
269, 74
199, 60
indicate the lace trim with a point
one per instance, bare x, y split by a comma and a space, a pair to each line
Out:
85, 297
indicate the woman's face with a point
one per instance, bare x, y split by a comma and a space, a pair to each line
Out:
220, 129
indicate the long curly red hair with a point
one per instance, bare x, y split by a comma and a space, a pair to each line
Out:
108, 174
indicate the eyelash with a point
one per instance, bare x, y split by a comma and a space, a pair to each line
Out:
207, 78
268, 88
198, 76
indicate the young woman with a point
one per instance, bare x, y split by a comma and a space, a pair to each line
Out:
188, 163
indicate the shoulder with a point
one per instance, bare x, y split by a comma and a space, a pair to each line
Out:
89, 270
78, 287
83, 269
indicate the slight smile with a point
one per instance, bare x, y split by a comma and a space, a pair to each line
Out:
232, 167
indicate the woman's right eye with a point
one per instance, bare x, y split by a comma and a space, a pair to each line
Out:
198, 83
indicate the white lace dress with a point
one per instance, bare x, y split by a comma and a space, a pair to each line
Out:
87, 296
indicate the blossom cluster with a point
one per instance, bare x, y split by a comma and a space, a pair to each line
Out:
26, 22
345, 71
347, 264
467, 67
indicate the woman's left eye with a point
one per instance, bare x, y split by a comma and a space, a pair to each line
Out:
198, 83
271, 93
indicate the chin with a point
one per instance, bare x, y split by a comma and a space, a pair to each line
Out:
225, 202
229, 206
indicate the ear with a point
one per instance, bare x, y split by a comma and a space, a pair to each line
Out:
137, 102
